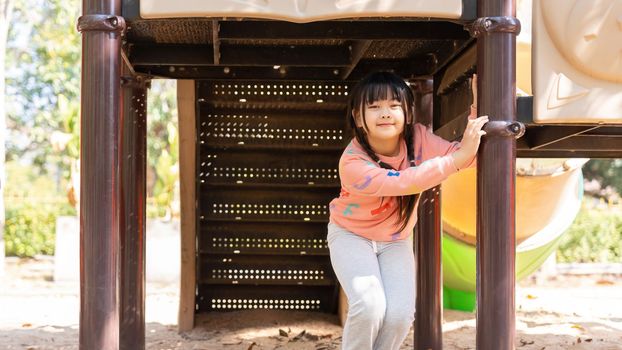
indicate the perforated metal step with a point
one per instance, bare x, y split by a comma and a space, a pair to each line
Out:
236, 297
263, 238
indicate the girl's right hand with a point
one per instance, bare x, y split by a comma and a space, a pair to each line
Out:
470, 142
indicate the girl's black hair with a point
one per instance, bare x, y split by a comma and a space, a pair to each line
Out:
377, 86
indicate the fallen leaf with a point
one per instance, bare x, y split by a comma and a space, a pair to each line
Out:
231, 342
526, 342
529, 296
251, 346
588, 340
26, 325
299, 336
282, 333
311, 337
577, 326
605, 282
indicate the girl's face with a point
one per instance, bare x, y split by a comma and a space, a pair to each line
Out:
384, 120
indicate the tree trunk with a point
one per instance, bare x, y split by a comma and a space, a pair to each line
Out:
5, 18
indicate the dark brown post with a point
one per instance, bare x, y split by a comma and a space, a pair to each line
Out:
132, 211
99, 176
496, 29
429, 314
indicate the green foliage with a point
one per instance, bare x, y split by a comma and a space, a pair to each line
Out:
31, 212
30, 228
43, 82
608, 172
162, 148
43, 89
595, 236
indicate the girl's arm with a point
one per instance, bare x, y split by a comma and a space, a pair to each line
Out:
361, 176
431, 145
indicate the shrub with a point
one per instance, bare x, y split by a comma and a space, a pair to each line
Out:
32, 203
595, 236
30, 229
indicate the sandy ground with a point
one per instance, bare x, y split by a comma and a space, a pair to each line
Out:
564, 313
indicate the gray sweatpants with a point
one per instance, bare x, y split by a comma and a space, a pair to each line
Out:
379, 281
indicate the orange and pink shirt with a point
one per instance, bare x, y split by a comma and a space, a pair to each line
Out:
367, 203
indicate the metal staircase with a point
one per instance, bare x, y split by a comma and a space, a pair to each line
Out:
266, 170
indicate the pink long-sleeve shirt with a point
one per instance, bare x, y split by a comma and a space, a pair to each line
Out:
367, 203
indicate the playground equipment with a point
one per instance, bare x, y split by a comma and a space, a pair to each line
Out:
548, 197
257, 89
548, 192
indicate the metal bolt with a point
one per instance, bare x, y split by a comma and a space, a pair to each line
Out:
114, 21
487, 23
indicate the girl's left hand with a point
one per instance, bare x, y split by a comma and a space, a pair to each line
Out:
470, 141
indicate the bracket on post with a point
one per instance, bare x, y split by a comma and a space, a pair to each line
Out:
500, 24
135, 81
115, 25
502, 128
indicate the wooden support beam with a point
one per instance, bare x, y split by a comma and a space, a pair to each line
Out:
307, 56
171, 54
411, 67
544, 137
132, 207
453, 129
460, 69
357, 50
544, 153
343, 30
241, 73
458, 50
216, 41
239, 55
524, 109
587, 143
186, 101
416, 67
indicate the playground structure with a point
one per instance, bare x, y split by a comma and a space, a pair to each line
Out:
261, 123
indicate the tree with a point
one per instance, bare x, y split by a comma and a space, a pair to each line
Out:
5, 16
608, 173
43, 83
44, 89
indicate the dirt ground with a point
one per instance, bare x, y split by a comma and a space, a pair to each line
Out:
563, 313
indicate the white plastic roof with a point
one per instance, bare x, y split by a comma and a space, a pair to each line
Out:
301, 10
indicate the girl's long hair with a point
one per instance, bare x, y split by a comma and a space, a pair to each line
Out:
377, 86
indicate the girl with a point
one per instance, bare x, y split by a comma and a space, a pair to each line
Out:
390, 161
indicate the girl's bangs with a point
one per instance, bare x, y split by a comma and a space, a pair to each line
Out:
382, 91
